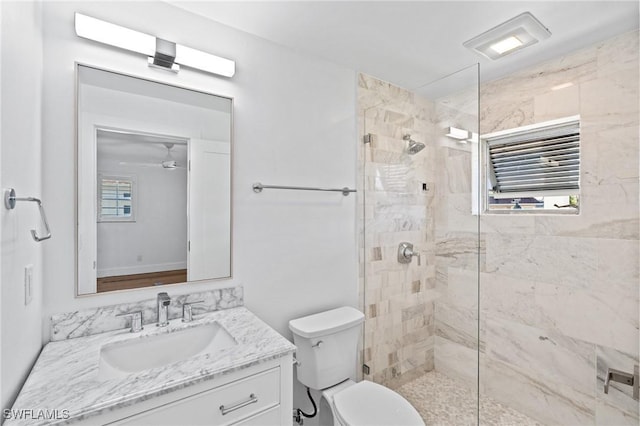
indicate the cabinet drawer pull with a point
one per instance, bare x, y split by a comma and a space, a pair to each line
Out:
252, 399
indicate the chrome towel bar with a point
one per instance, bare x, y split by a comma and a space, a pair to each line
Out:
258, 187
10, 203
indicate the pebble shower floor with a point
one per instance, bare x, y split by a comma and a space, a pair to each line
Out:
442, 401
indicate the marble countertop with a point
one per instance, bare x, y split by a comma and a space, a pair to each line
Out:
66, 374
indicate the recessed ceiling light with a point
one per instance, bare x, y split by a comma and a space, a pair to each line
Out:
508, 37
506, 45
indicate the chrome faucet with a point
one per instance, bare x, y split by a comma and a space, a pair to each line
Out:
163, 309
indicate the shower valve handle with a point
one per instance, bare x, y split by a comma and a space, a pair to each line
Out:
416, 254
406, 253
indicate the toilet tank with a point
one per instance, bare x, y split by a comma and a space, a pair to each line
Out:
327, 345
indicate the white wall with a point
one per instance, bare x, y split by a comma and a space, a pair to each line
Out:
157, 240
21, 87
181, 119
294, 124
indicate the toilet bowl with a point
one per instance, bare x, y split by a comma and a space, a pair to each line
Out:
327, 347
366, 404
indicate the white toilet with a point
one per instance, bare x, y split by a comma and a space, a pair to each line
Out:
327, 350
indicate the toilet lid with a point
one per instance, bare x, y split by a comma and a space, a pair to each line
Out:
369, 404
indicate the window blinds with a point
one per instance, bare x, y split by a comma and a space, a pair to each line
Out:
115, 198
536, 161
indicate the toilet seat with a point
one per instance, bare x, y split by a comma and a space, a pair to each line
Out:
370, 404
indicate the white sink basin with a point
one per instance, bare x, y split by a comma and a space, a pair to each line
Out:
131, 356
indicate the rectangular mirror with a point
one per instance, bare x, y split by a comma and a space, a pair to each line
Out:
153, 183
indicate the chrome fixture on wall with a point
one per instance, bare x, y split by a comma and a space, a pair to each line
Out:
413, 147
161, 53
406, 253
625, 378
258, 187
10, 203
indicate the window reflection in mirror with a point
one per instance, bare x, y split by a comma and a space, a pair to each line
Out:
154, 183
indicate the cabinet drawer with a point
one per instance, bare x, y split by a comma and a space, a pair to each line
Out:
220, 406
271, 417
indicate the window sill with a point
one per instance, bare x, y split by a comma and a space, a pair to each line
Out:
537, 212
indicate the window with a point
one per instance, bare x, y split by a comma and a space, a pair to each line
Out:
116, 198
535, 167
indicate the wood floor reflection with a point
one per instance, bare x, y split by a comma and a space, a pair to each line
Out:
126, 282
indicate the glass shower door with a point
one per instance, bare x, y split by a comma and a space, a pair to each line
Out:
420, 242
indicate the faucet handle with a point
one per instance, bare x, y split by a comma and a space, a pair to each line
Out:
136, 320
406, 252
187, 313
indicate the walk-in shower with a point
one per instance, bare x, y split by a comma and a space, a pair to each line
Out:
515, 315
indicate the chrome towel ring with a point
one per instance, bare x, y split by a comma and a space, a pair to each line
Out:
10, 200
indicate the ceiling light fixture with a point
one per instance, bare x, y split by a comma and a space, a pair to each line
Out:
169, 163
517, 33
162, 54
506, 45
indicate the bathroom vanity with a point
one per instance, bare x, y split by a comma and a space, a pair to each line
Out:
224, 367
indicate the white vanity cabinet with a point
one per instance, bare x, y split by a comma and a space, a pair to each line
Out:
258, 395
245, 378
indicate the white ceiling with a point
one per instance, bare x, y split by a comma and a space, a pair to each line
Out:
118, 146
414, 43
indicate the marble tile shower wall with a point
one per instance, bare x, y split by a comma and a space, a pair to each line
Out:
574, 279
398, 300
559, 295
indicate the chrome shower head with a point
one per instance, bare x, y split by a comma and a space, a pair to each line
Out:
413, 147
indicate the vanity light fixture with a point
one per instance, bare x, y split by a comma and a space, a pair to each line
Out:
460, 134
517, 33
162, 53
562, 86
474, 138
